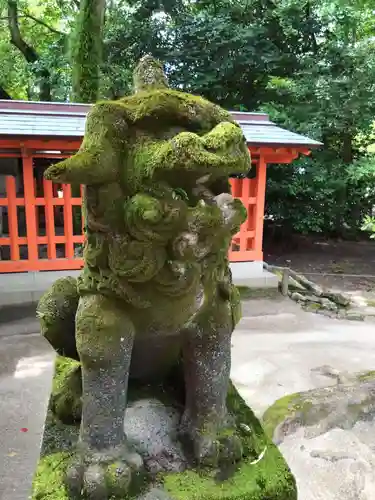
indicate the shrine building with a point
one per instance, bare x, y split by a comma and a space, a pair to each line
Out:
40, 223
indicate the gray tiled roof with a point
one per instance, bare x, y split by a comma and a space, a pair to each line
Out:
39, 124
19, 118
259, 133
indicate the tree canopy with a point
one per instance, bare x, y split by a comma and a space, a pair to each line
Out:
310, 64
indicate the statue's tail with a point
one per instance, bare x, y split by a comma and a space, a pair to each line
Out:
56, 312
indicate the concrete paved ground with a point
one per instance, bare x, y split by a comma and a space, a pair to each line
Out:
277, 347
277, 350
26, 364
18, 320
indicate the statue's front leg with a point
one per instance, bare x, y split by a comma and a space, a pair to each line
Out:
104, 463
206, 424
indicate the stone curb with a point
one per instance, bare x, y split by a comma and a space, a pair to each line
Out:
10, 313
18, 320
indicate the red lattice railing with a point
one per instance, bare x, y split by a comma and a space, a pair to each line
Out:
43, 230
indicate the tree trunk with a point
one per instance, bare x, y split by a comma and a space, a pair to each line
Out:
87, 51
347, 147
43, 75
4, 94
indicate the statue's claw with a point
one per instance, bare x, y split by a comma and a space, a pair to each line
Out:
101, 476
210, 452
211, 449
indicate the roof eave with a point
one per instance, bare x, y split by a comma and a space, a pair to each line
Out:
78, 137
313, 145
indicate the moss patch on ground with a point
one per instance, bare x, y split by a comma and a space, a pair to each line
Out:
48, 482
309, 407
277, 413
363, 377
263, 475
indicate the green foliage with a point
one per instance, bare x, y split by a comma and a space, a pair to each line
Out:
321, 195
44, 25
369, 226
310, 64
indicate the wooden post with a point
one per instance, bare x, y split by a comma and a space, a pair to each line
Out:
259, 208
285, 282
12, 217
31, 227
68, 221
245, 197
50, 219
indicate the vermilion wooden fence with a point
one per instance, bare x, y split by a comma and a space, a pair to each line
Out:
246, 246
29, 201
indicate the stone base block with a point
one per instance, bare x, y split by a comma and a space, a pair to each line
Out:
151, 427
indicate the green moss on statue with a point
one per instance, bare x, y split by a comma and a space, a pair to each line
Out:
67, 391
263, 475
156, 289
56, 312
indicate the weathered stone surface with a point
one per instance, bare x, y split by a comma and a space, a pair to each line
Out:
353, 315
339, 298
152, 427
298, 297
155, 494
328, 304
328, 435
326, 312
337, 465
364, 310
156, 289
66, 398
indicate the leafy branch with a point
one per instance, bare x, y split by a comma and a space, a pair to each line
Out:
42, 23
36, 20
29, 53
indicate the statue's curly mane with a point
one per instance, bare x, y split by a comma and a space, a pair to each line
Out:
163, 241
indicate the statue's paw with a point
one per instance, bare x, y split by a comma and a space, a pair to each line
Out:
103, 476
212, 451
212, 448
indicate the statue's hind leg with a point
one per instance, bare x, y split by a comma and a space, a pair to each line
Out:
104, 463
207, 355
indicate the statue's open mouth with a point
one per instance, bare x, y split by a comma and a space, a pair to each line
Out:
201, 189
196, 166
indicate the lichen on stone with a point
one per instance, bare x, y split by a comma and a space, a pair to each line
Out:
67, 390
319, 410
149, 75
156, 293
269, 478
266, 479
56, 312
276, 414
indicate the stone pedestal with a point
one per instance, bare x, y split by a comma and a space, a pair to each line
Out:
151, 426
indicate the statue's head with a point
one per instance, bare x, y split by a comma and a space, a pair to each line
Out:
156, 134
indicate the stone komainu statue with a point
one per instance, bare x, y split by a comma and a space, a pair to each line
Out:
156, 286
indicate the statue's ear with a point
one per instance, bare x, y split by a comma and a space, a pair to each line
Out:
98, 160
